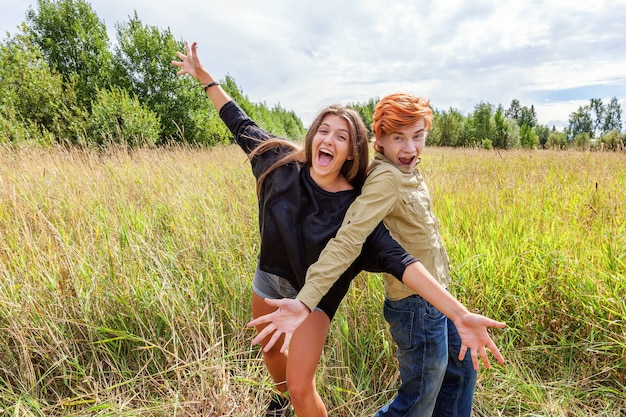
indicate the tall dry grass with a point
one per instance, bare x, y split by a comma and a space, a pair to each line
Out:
539, 241
125, 284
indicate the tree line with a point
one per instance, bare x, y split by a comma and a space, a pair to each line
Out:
62, 82
596, 125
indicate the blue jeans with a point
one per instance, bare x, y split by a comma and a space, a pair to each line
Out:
433, 382
457, 391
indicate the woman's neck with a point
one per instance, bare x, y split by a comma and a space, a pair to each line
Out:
332, 184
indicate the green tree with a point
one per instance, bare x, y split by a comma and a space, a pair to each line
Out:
612, 140
521, 114
35, 103
447, 128
513, 137
528, 117
142, 65
528, 138
596, 119
118, 117
481, 124
366, 111
582, 140
556, 140
596, 111
500, 129
290, 125
542, 132
276, 120
580, 122
514, 111
612, 116
74, 42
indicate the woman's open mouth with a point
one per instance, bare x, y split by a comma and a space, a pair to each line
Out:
324, 157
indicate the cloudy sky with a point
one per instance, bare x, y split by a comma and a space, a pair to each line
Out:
303, 55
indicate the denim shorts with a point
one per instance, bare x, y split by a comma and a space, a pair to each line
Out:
272, 286
267, 285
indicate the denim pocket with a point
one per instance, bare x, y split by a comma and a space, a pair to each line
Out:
400, 324
431, 313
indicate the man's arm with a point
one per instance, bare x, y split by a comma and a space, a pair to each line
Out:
472, 327
377, 199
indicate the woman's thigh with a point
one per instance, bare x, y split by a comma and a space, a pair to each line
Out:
261, 308
305, 349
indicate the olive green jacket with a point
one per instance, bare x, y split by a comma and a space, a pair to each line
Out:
402, 201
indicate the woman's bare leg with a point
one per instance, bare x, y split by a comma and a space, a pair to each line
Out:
275, 362
305, 350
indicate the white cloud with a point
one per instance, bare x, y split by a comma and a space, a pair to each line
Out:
304, 55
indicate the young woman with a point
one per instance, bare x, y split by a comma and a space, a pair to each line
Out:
303, 197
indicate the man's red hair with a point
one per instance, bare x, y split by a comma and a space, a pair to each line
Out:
397, 111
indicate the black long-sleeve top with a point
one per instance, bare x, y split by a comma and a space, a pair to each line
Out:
297, 218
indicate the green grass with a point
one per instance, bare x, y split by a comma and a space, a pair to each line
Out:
125, 284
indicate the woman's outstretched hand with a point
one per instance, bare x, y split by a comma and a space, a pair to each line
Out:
290, 314
190, 63
472, 329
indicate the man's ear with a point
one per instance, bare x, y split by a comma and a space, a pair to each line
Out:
379, 142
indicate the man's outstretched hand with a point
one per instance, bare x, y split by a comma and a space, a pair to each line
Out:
290, 314
472, 329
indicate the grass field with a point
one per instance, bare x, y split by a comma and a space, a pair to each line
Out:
125, 284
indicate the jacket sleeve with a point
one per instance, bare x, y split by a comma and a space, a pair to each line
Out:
378, 198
